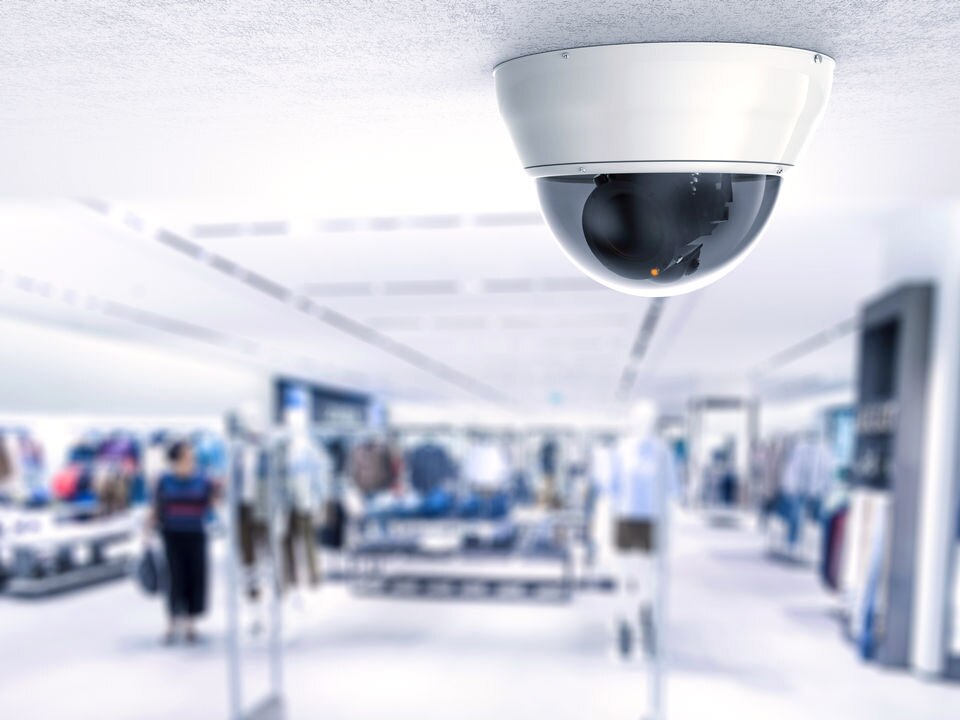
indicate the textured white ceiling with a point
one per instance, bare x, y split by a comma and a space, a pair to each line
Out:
223, 112
366, 104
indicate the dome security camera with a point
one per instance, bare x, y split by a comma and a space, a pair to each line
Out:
658, 164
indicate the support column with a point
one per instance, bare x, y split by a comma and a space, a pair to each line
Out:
925, 245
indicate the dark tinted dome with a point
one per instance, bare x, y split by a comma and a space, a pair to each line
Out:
657, 233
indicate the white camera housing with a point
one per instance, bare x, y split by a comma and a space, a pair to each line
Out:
658, 164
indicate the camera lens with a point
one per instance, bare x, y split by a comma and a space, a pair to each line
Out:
657, 233
641, 226
624, 226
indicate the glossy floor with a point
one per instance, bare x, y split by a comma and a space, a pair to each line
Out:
750, 639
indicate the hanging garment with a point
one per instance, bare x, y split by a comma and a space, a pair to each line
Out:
549, 452
84, 492
337, 449
154, 464
550, 494
825, 542
436, 503
300, 534
114, 492
32, 465
84, 452
833, 521
601, 467
309, 475
13, 483
333, 529
769, 463
371, 467
521, 487
868, 510
727, 489
119, 448
64, 484
485, 467
838, 527
868, 609
808, 475
430, 467
138, 492
6, 465
810, 470
211, 454
790, 509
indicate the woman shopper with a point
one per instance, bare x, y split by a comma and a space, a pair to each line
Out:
183, 500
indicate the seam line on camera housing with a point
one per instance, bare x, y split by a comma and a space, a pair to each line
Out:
621, 162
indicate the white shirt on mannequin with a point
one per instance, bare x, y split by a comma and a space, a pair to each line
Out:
643, 466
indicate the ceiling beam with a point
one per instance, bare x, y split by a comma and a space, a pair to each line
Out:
303, 304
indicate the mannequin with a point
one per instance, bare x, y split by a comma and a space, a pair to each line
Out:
644, 479
308, 477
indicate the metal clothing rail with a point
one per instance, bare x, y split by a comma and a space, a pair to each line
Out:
272, 706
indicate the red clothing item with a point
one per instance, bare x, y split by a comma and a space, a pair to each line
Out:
839, 523
64, 483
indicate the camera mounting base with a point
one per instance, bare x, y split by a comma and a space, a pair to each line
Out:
663, 107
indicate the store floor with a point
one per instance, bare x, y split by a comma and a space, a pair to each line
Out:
750, 639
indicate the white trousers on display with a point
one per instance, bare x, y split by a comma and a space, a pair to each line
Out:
635, 585
641, 604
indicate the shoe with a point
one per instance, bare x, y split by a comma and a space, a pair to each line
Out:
192, 637
169, 638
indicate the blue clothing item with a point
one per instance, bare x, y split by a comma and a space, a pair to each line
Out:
495, 507
38, 497
867, 642
211, 453
183, 503
469, 507
82, 454
437, 502
521, 488
139, 494
430, 467
118, 448
339, 452
727, 490
548, 457
790, 508
84, 489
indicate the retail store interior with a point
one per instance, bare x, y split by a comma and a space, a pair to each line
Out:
305, 414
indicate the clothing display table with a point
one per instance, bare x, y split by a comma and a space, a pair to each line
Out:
43, 552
